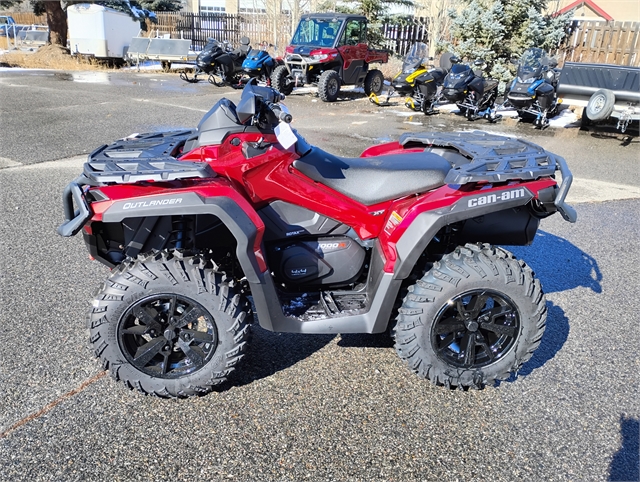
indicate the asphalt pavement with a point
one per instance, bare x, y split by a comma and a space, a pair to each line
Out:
307, 407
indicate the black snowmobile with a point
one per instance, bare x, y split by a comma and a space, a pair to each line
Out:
474, 95
533, 92
222, 64
206, 59
228, 69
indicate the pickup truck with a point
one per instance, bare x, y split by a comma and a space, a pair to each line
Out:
8, 26
605, 90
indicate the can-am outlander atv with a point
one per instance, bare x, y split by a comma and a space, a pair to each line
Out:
205, 228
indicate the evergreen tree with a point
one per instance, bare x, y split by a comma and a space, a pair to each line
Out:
498, 30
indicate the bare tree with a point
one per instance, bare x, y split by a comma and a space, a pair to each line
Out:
439, 27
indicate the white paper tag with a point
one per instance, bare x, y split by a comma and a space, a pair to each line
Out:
285, 135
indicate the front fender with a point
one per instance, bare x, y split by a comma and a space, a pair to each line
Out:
223, 202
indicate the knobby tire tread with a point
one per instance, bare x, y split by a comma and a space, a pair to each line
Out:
473, 265
166, 270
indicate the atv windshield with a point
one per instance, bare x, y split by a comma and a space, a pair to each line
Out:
532, 62
418, 55
317, 32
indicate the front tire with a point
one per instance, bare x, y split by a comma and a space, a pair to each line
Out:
373, 82
281, 81
329, 86
169, 325
476, 316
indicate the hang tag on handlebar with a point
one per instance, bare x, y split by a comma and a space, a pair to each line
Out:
285, 135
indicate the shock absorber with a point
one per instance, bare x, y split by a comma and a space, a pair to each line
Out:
179, 231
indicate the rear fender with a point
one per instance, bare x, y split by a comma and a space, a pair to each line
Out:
424, 223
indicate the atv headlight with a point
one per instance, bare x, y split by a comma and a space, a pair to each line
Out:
322, 57
530, 80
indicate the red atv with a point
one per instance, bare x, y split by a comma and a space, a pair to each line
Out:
203, 228
330, 50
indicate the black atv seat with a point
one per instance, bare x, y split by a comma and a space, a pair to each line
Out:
372, 180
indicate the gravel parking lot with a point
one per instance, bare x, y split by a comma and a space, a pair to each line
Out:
307, 407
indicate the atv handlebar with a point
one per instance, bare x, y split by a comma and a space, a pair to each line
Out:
280, 113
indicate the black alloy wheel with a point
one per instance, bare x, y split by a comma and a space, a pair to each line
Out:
167, 335
169, 324
475, 329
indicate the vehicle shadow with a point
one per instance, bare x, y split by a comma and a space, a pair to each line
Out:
625, 464
555, 336
270, 353
559, 264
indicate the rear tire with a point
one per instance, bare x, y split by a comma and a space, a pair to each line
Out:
169, 325
329, 86
474, 317
281, 81
373, 82
600, 105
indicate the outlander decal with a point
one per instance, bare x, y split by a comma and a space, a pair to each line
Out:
155, 202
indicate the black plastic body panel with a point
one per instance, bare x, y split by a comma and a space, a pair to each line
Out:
335, 260
284, 220
226, 210
515, 227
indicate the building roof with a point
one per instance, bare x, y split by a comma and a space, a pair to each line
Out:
590, 4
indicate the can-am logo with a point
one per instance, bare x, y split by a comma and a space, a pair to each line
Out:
494, 198
155, 202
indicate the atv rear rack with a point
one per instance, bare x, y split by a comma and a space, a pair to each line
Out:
143, 157
494, 158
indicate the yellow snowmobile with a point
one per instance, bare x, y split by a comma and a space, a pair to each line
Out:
418, 81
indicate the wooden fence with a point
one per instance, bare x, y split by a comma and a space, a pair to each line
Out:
275, 30
602, 42
27, 18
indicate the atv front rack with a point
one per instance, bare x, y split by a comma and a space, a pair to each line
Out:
143, 157
494, 158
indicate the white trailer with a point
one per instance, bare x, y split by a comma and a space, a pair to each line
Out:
99, 31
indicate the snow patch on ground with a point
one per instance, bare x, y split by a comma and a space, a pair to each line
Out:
563, 119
